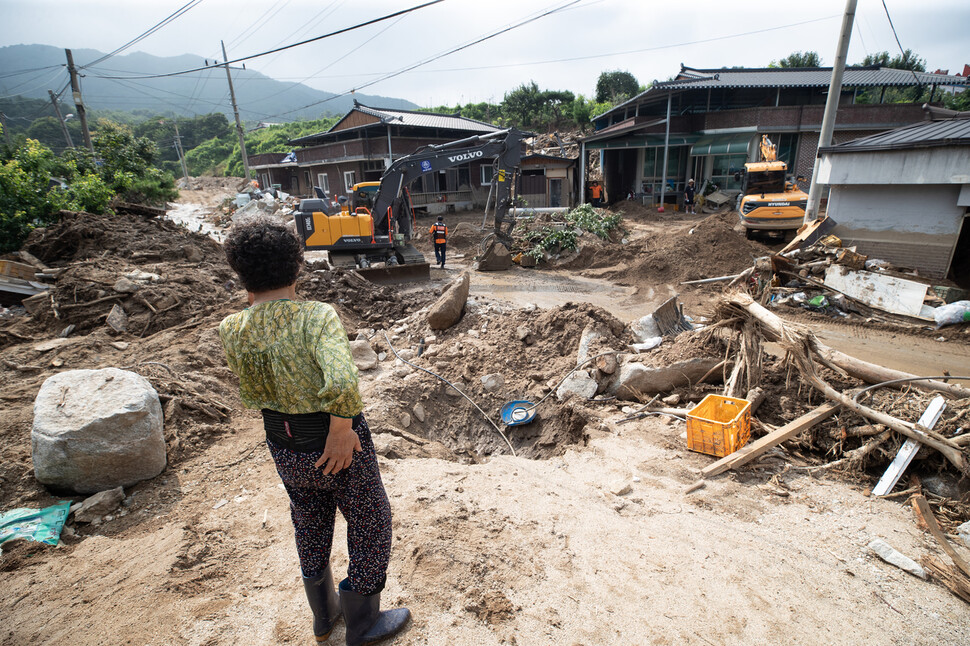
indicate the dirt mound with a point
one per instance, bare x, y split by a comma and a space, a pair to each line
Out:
637, 211
706, 249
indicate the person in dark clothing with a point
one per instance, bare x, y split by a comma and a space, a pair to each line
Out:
295, 365
439, 236
689, 193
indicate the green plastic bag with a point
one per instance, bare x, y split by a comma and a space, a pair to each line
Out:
43, 526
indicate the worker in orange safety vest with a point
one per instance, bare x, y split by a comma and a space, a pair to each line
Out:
596, 194
439, 236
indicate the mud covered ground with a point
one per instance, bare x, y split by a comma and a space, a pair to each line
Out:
586, 538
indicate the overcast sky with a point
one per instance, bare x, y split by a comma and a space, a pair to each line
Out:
563, 51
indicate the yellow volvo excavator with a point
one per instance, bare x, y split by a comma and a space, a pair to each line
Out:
769, 201
372, 231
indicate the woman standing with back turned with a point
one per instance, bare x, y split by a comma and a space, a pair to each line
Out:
294, 364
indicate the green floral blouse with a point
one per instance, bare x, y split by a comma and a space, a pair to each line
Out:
292, 357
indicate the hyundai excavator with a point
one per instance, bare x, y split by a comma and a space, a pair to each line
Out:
769, 201
376, 228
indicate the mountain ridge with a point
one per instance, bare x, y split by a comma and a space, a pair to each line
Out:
260, 97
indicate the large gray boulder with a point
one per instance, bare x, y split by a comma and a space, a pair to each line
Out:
448, 308
97, 429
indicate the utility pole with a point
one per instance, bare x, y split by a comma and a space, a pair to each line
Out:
181, 153
235, 111
6, 130
78, 102
831, 108
57, 111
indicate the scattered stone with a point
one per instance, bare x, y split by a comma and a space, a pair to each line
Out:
451, 392
590, 334
220, 504
884, 551
407, 354
54, 344
493, 382
192, 254
97, 429
125, 286
671, 400
400, 329
447, 310
431, 338
621, 489
143, 277
365, 334
580, 384
99, 504
523, 334
401, 371
66, 332
119, 345
405, 420
381, 356
645, 328
418, 411
117, 319
364, 356
606, 364
474, 334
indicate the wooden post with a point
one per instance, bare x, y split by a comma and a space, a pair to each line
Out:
181, 153
57, 111
78, 101
235, 112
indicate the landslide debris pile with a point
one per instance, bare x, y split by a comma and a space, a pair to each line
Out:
494, 355
705, 249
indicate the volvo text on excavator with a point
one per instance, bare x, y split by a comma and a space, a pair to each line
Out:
769, 201
376, 228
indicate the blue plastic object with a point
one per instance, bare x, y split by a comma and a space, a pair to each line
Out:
517, 413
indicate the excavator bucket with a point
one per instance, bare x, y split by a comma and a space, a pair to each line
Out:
495, 258
397, 274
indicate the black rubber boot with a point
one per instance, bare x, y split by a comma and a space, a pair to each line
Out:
366, 624
323, 602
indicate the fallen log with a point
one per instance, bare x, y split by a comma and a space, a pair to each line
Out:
871, 373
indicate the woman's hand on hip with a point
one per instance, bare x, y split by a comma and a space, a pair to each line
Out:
341, 444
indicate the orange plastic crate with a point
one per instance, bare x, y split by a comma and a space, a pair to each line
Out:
719, 425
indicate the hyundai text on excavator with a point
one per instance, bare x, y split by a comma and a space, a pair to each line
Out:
376, 227
769, 200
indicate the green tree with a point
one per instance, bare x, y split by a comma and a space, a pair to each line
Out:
126, 165
616, 86
798, 59
29, 199
905, 61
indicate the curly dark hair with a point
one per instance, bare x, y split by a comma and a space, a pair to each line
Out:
264, 253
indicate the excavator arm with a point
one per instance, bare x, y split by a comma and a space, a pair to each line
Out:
391, 211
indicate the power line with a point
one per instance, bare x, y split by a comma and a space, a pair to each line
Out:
434, 58
902, 54
28, 71
280, 49
145, 34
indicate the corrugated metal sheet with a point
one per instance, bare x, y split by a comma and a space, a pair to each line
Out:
690, 78
926, 134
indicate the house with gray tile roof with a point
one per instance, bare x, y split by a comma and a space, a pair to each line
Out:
363, 142
706, 123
